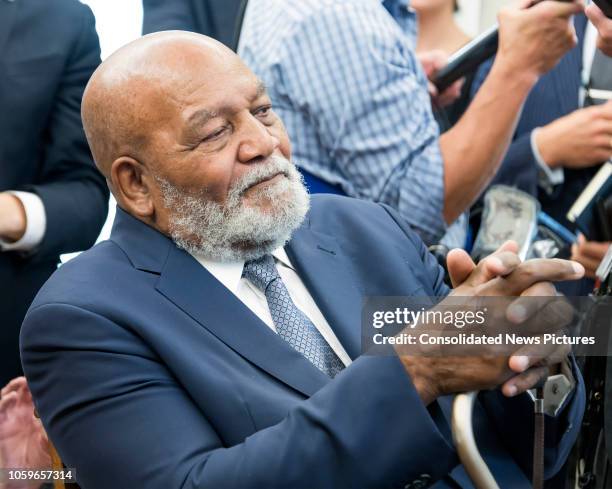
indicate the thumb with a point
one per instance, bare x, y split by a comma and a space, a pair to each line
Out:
460, 265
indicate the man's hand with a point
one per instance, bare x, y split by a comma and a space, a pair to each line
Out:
23, 441
432, 62
578, 140
532, 40
589, 254
12, 217
603, 26
500, 275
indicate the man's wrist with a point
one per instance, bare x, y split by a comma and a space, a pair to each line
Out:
514, 76
545, 150
418, 372
13, 219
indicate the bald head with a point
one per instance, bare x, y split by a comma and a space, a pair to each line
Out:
137, 89
184, 132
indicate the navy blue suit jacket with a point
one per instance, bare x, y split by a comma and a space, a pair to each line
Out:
48, 51
554, 96
148, 372
218, 19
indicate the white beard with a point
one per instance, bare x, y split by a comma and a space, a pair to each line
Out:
235, 231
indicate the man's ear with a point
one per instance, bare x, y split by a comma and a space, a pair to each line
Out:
133, 186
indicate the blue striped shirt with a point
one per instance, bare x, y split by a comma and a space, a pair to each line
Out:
344, 78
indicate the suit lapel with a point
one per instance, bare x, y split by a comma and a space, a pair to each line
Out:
325, 270
568, 74
8, 11
194, 290
321, 264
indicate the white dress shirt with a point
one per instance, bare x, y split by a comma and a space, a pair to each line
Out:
230, 275
36, 223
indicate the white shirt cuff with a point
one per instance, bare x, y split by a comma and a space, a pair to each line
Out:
547, 177
36, 223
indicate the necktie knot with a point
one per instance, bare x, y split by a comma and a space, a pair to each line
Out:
261, 272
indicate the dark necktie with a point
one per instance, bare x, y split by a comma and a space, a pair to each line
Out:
291, 324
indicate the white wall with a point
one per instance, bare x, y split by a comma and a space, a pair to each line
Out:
117, 23
477, 15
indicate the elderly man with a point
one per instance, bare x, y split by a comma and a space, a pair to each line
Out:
214, 340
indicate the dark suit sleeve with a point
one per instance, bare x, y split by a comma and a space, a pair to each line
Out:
164, 15
74, 193
433, 271
514, 421
123, 420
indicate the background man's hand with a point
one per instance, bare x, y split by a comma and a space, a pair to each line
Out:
578, 140
23, 441
532, 40
589, 254
432, 62
500, 275
12, 217
603, 26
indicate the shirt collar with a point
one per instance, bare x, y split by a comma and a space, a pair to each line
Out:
230, 273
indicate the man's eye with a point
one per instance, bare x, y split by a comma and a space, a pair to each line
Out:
264, 111
215, 134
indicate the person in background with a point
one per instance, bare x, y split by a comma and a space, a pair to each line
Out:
218, 19
604, 28
438, 28
562, 138
23, 441
440, 33
345, 79
52, 199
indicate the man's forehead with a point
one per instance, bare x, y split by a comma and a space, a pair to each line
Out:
227, 100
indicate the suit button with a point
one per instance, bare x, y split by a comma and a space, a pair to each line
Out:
421, 482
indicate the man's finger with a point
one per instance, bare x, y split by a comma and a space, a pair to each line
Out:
560, 9
530, 302
541, 355
540, 270
593, 249
595, 15
525, 381
590, 264
460, 265
511, 246
499, 264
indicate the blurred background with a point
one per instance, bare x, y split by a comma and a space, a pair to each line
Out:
119, 22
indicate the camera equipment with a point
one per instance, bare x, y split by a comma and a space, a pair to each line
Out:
590, 462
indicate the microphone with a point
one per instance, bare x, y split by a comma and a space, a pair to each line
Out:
467, 59
473, 54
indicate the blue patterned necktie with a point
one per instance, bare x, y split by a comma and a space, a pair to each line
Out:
291, 324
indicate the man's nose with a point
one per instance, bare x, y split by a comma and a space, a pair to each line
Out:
257, 141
